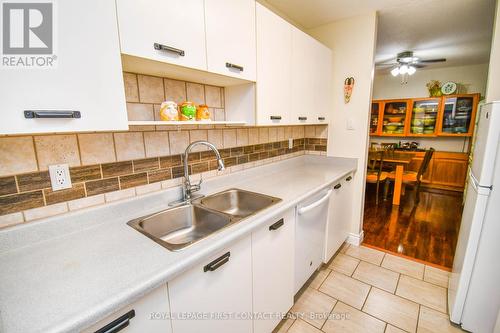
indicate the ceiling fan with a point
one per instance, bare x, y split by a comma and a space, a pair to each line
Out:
406, 64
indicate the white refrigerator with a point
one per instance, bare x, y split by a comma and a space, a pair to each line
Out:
474, 286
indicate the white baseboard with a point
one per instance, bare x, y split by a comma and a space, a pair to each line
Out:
355, 239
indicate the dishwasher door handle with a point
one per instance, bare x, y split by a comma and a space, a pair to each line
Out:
305, 209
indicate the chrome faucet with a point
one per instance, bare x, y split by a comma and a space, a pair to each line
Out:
188, 189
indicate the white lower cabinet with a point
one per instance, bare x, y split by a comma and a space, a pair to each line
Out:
149, 314
272, 268
339, 216
202, 298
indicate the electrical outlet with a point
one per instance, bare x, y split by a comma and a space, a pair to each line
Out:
290, 143
59, 176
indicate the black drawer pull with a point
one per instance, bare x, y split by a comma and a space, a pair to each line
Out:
238, 67
277, 225
30, 114
275, 117
321, 118
217, 262
302, 118
162, 47
349, 178
117, 324
337, 186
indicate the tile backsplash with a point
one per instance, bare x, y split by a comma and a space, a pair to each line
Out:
109, 166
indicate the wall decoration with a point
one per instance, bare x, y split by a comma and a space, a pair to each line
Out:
348, 86
434, 87
449, 88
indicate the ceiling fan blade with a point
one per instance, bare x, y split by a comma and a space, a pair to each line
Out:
418, 65
432, 60
387, 65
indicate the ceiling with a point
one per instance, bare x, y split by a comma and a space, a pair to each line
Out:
458, 30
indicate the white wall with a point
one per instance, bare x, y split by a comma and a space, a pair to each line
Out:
473, 77
353, 46
493, 87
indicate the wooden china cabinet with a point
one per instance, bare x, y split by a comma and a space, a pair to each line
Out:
451, 116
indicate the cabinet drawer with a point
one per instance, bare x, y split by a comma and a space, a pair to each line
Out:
137, 317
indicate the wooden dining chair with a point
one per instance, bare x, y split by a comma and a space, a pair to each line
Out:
375, 174
411, 177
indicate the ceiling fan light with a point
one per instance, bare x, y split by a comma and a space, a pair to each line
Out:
411, 70
403, 69
395, 71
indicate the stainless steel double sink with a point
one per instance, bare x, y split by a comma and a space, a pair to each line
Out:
178, 227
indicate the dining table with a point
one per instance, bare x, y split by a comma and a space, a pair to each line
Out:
400, 160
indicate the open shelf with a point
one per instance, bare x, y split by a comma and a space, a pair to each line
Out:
180, 123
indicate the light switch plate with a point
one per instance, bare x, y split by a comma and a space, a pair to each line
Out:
350, 124
60, 177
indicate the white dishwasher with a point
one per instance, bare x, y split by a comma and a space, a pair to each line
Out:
311, 217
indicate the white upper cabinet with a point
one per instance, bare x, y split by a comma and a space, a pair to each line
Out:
87, 76
230, 33
171, 31
274, 65
311, 77
303, 76
322, 84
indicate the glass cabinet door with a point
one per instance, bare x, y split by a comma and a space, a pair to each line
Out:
458, 114
394, 119
375, 114
424, 117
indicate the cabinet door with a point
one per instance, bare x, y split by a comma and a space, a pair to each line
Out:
272, 251
149, 315
274, 65
230, 31
226, 289
87, 76
449, 172
322, 84
177, 26
458, 115
424, 117
394, 118
303, 58
339, 216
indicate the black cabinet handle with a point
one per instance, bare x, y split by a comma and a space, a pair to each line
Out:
277, 225
162, 47
321, 118
217, 262
238, 67
117, 324
30, 114
275, 117
349, 178
302, 118
337, 186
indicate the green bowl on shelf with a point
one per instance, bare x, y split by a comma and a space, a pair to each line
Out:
417, 122
391, 128
417, 130
429, 121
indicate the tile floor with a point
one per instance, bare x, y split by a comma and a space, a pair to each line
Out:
365, 290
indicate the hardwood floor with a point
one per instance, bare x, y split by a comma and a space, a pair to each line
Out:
427, 231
